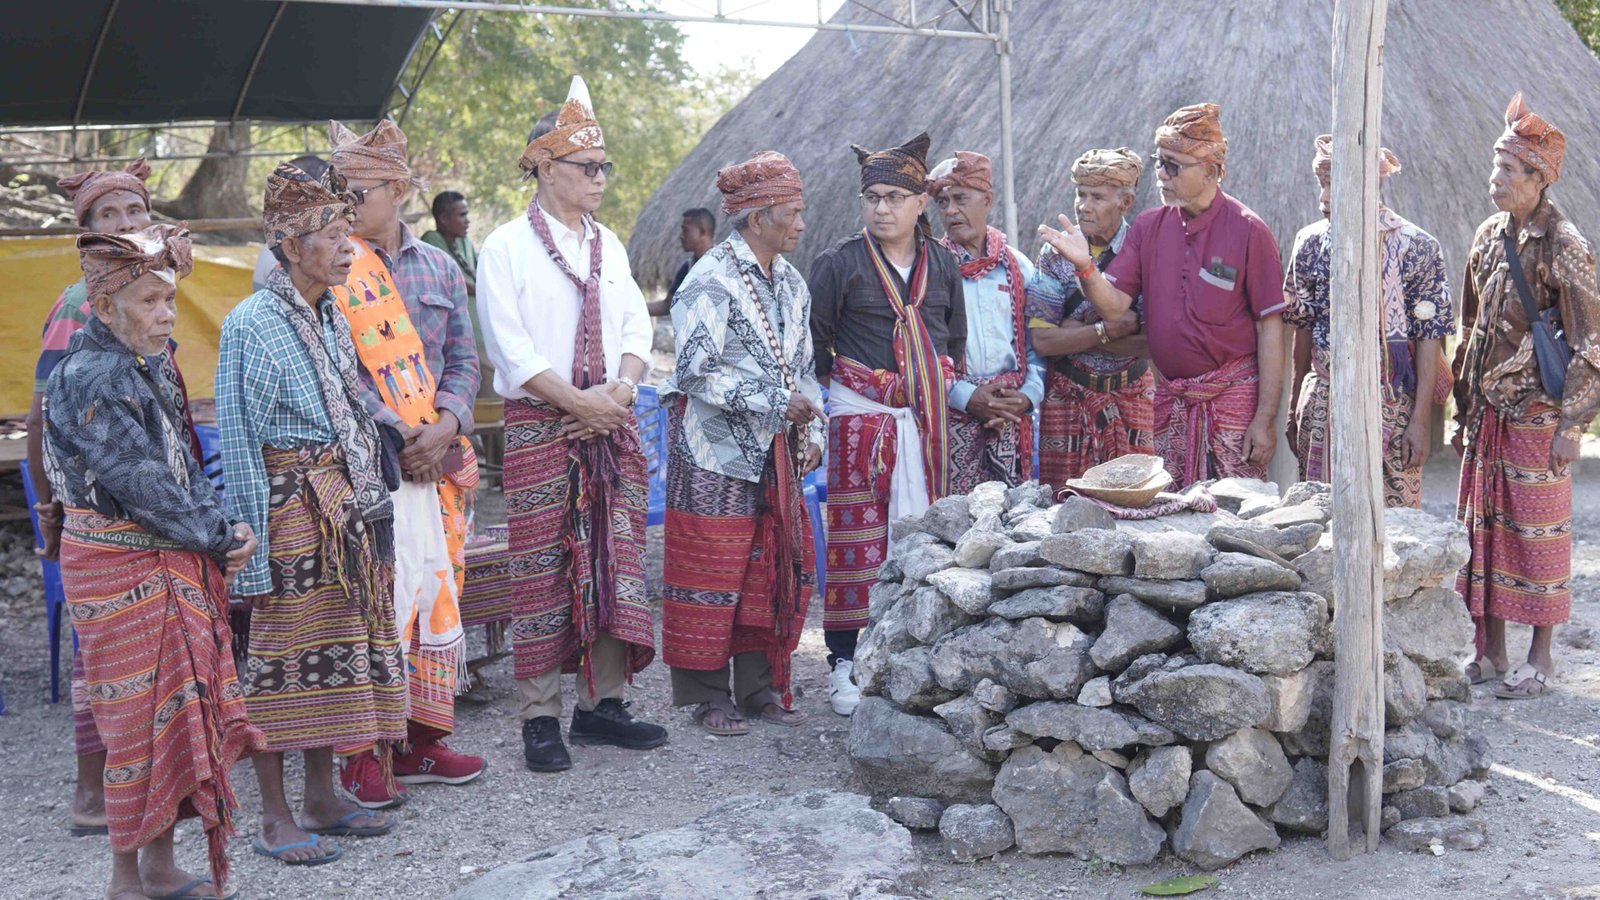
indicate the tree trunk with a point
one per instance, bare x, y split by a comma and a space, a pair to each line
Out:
216, 190
1355, 752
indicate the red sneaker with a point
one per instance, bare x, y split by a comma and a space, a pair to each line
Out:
362, 776
432, 762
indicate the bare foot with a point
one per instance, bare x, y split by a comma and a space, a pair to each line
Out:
777, 715
164, 881
325, 814
123, 890
278, 832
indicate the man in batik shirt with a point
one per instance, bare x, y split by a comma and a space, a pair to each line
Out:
739, 560
1417, 315
1519, 424
1099, 391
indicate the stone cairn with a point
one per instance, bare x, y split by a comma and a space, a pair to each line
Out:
1042, 675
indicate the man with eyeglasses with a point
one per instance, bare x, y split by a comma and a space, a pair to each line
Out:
888, 320
1099, 392
406, 302
1212, 283
569, 336
1002, 381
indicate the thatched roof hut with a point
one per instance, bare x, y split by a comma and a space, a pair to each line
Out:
1092, 74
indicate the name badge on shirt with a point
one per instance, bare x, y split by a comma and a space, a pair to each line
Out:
1220, 275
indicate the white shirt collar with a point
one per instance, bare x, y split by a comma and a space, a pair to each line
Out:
559, 232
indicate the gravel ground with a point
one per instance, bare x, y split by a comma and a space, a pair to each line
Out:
1543, 806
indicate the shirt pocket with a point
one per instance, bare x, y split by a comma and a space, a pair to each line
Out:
432, 316
1218, 300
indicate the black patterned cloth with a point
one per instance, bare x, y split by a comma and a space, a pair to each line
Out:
116, 444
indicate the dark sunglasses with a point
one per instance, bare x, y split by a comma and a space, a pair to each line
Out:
1171, 166
590, 169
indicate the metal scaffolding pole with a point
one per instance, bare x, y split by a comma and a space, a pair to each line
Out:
1008, 160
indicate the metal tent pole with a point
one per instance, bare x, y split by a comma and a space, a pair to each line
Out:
1008, 164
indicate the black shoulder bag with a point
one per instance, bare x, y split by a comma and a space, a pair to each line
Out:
1550, 347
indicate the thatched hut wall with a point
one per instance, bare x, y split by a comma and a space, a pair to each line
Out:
1090, 74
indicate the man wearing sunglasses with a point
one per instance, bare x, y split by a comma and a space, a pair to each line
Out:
888, 320
1212, 283
569, 336
406, 302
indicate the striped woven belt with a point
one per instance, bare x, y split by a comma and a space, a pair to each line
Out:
1109, 382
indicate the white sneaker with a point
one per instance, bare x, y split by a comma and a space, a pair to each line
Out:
843, 694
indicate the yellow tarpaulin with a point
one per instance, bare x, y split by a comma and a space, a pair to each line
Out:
35, 270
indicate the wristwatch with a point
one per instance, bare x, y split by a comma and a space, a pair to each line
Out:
633, 389
1100, 329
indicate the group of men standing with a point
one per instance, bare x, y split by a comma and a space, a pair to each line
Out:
345, 389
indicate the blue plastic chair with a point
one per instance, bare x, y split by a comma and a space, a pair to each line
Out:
210, 437
55, 597
652, 419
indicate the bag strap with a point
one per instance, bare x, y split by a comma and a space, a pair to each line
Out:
1521, 280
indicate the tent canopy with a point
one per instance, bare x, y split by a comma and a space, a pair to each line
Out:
114, 62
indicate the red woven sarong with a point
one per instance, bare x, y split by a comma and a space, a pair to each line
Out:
557, 613
1080, 428
1519, 519
724, 594
1200, 423
152, 624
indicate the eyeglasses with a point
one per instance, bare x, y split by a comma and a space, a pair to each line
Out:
358, 196
894, 200
590, 169
1171, 166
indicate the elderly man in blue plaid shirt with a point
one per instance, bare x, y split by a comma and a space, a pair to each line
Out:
308, 470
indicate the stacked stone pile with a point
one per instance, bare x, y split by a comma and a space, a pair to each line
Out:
1042, 675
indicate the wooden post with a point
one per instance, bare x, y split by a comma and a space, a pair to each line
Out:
1355, 752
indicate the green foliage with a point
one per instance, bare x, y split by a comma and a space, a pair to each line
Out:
1585, 18
500, 72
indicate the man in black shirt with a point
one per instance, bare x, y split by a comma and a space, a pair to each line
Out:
888, 318
694, 235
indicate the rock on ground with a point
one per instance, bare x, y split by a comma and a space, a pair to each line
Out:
1159, 777
817, 843
895, 752
975, 832
1203, 702
1066, 801
1450, 832
1132, 630
1269, 634
1304, 806
1216, 828
916, 813
1252, 761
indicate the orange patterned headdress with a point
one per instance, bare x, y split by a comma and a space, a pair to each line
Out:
576, 129
1195, 130
1533, 140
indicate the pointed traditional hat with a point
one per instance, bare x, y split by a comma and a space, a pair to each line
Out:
576, 129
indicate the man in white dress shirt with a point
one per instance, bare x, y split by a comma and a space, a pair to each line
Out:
569, 335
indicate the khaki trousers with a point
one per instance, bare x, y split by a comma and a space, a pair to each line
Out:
751, 675
541, 695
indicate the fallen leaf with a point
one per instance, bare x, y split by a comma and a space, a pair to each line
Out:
1186, 884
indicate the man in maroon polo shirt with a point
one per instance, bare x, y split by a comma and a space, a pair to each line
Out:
1212, 282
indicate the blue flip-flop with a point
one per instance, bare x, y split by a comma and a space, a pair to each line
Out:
278, 852
183, 892
343, 828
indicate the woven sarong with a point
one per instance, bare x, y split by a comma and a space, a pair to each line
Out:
552, 625
1519, 520
157, 653
85, 739
1200, 423
325, 665
1401, 486
979, 454
1081, 428
721, 594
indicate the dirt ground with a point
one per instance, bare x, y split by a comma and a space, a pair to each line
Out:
1543, 805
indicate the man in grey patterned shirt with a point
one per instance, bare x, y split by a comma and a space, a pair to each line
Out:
740, 566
